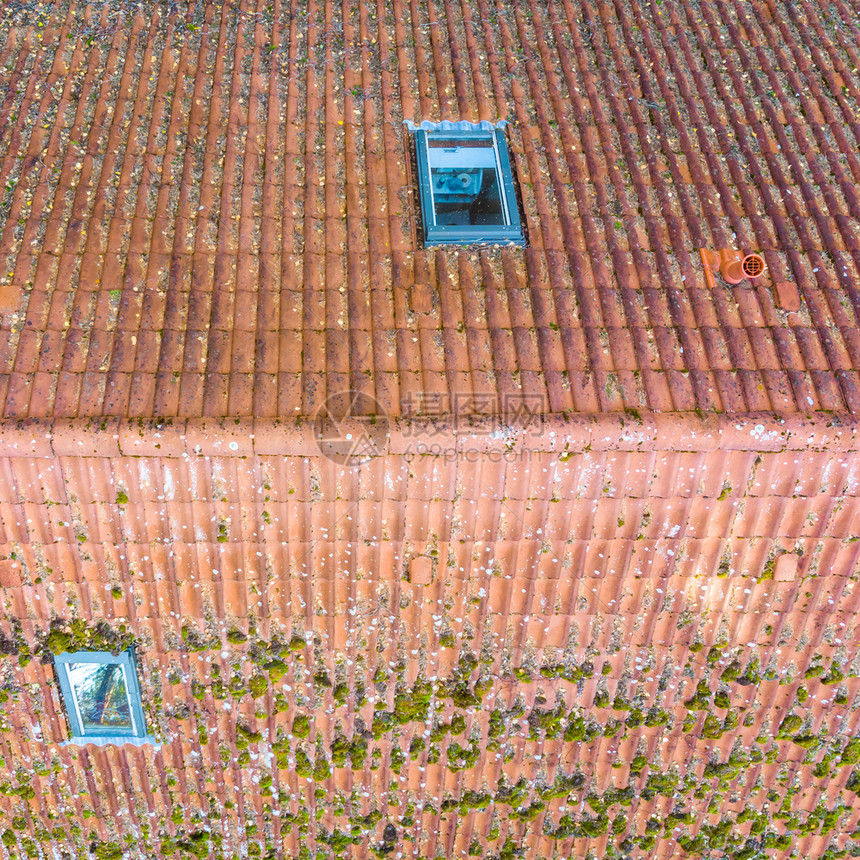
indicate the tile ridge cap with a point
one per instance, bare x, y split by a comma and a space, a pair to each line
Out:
562, 433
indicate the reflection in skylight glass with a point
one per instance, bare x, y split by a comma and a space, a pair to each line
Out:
465, 183
101, 695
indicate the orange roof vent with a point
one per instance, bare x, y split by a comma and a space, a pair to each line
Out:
753, 266
731, 265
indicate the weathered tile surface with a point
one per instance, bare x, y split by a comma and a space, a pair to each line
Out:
599, 587
206, 212
207, 209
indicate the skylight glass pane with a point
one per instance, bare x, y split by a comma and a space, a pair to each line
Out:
101, 696
464, 178
465, 182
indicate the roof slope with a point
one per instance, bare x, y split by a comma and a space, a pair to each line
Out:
206, 209
668, 661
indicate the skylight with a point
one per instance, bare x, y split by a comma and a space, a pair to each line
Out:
102, 696
466, 185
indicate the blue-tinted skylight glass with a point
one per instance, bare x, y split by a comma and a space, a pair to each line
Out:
101, 696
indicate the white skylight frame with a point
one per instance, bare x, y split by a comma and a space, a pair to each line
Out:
103, 735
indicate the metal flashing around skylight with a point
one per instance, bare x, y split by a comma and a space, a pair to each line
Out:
459, 125
466, 185
102, 697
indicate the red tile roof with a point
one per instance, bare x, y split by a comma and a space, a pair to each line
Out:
206, 213
658, 564
207, 210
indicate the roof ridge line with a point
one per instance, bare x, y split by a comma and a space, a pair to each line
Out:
562, 434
